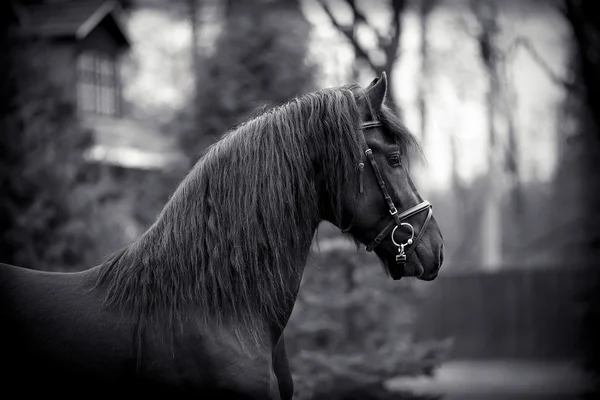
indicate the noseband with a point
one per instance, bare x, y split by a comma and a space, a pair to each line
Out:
398, 219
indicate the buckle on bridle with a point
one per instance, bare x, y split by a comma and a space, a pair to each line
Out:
401, 256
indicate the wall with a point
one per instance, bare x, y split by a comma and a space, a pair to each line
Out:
527, 313
60, 62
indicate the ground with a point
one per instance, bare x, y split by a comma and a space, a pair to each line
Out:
500, 380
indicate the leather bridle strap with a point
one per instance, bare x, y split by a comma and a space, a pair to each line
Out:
423, 227
381, 183
402, 217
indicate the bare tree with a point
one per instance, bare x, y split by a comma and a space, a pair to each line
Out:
426, 7
585, 26
584, 19
487, 16
194, 7
388, 44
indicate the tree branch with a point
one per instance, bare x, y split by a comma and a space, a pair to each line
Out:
359, 17
526, 44
391, 49
388, 44
348, 32
464, 25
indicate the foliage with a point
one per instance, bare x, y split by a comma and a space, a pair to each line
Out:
318, 373
148, 191
51, 204
351, 329
260, 58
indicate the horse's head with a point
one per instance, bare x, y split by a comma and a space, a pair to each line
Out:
387, 213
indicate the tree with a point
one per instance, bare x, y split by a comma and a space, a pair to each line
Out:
486, 14
388, 43
584, 21
425, 9
194, 6
260, 59
48, 206
585, 26
346, 341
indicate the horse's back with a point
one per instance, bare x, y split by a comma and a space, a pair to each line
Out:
58, 338
55, 334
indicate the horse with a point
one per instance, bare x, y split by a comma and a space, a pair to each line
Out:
197, 305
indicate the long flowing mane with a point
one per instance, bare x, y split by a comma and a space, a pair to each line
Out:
236, 230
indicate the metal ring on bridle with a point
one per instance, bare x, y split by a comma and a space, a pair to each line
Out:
410, 239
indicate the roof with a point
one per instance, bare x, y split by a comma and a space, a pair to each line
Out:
75, 18
133, 144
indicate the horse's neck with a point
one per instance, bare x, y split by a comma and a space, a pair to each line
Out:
299, 262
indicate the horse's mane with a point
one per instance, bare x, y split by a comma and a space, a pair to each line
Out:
236, 231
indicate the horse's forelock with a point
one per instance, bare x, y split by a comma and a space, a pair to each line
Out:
402, 136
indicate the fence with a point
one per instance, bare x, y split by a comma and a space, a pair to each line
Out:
530, 313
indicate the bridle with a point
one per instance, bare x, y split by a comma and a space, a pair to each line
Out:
398, 219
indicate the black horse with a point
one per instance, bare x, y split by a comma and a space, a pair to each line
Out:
196, 307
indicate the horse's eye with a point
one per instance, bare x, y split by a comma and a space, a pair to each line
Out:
394, 159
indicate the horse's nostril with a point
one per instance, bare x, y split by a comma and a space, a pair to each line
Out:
441, 255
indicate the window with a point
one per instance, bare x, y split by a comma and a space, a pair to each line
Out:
97, 84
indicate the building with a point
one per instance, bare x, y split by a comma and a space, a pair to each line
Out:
85, 42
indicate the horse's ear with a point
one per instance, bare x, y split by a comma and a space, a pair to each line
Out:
377, 90
373, 82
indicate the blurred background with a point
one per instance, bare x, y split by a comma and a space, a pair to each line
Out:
105, 105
